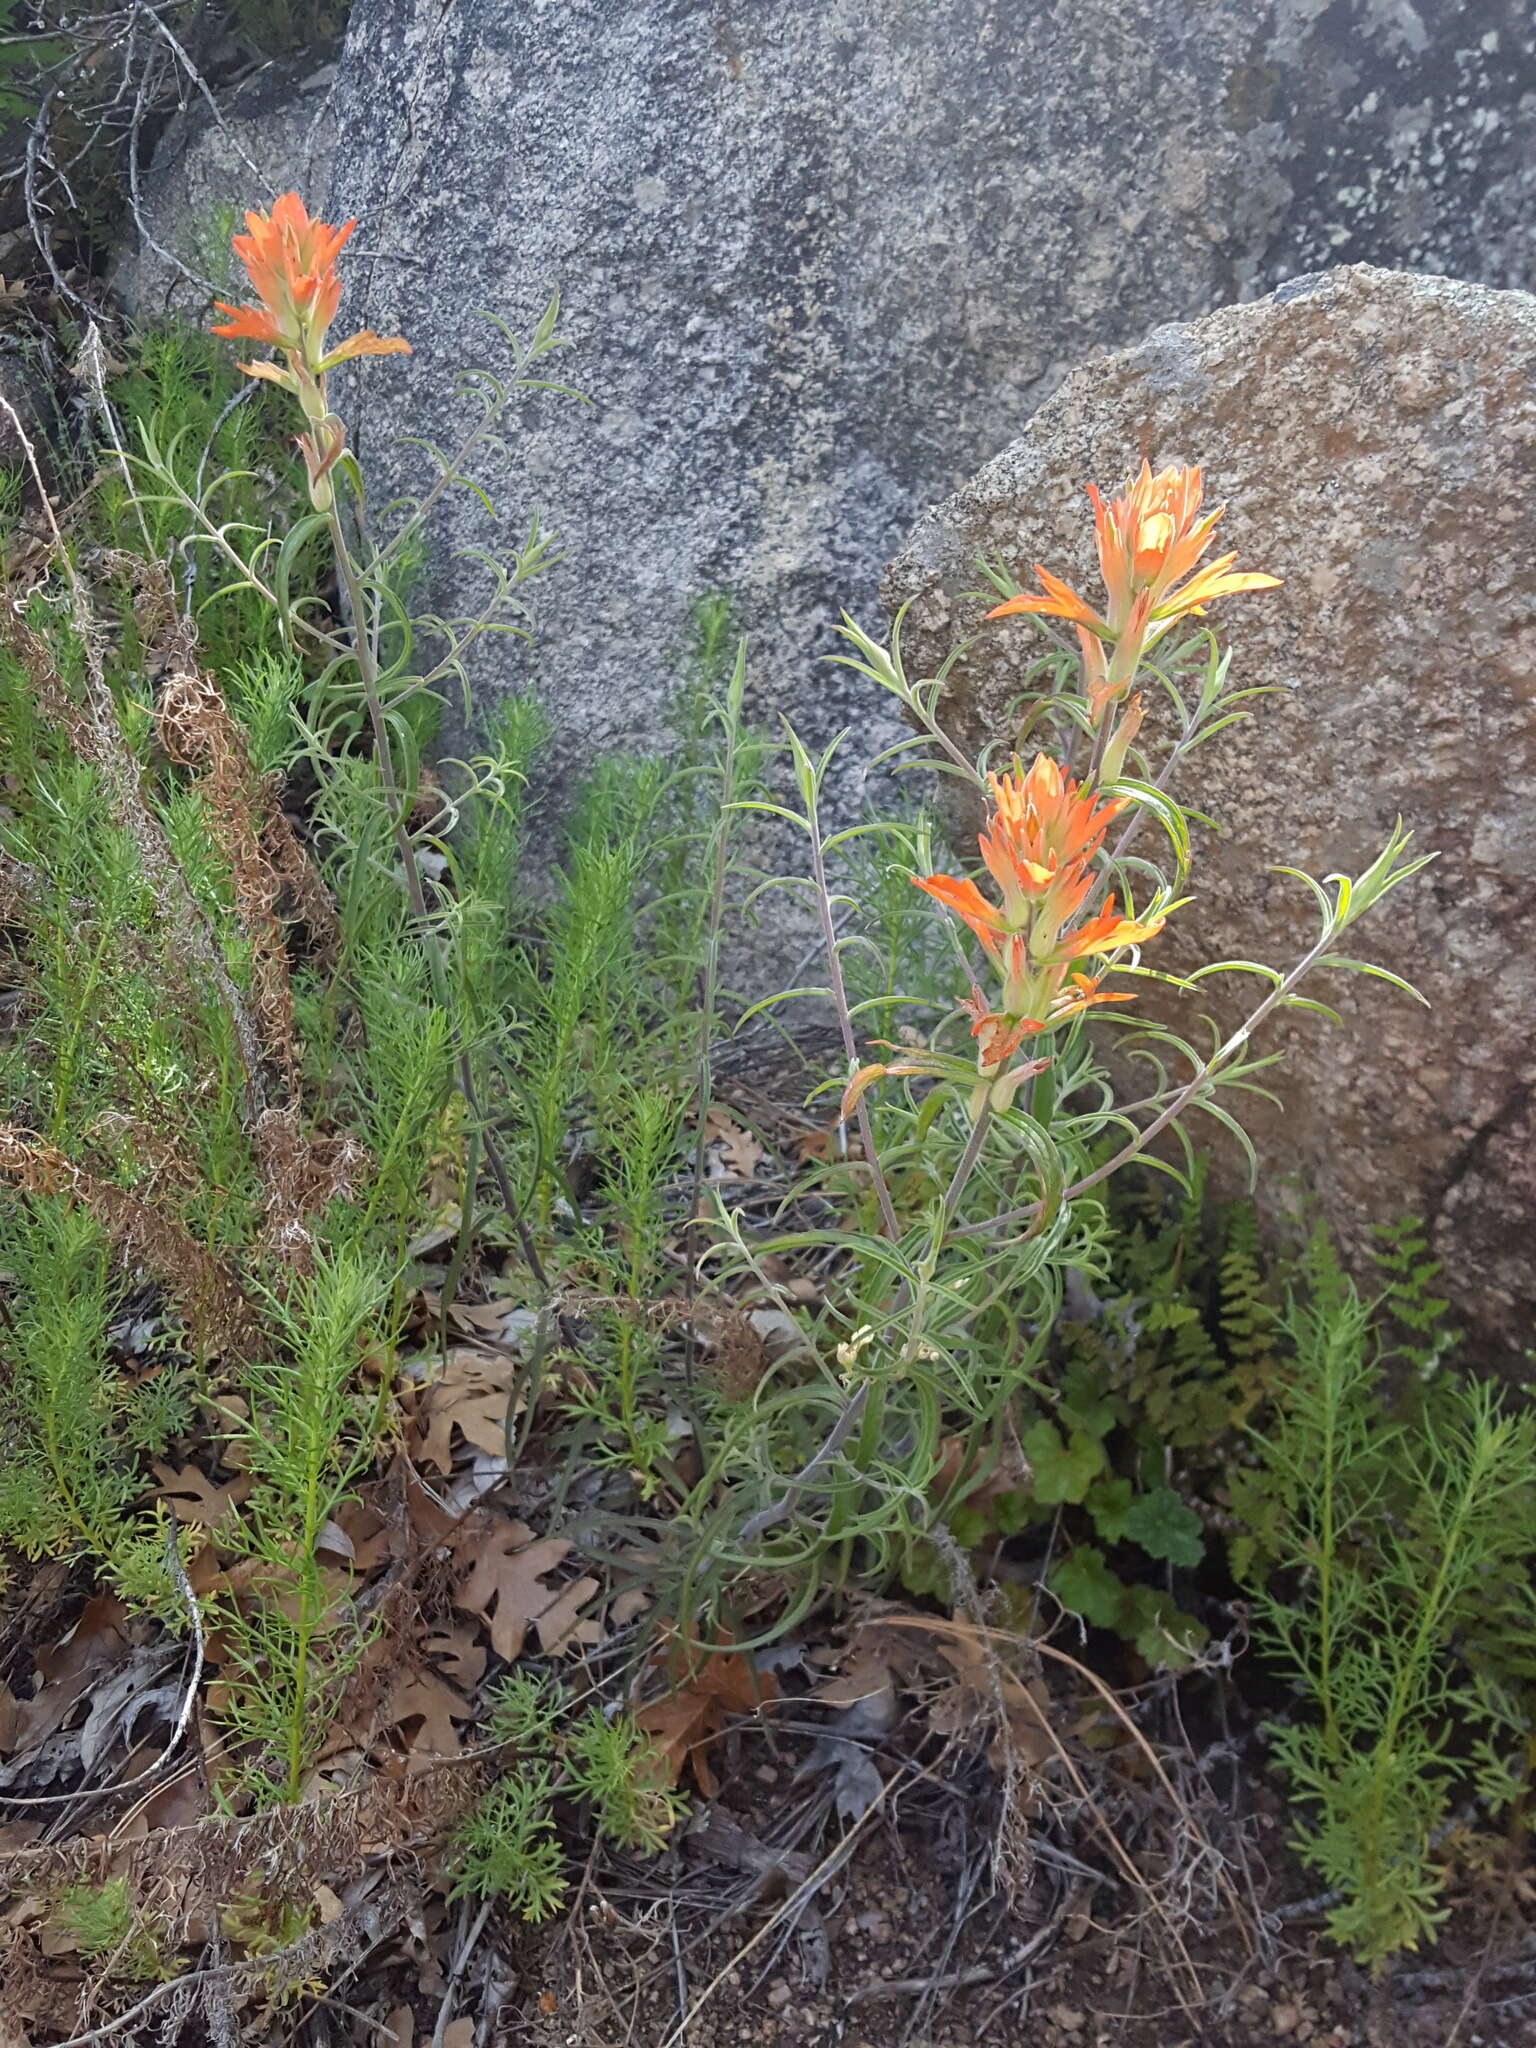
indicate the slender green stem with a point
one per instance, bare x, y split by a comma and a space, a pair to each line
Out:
1327, 1559
709, 1003
455, 1271
1416, 1658
967, 1164
306, 1624
431, 942
64, 1071
1209, 1070
844, 1015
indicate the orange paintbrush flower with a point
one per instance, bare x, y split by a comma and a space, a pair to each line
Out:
291, 263
1105, 933
968, 903
1059, 601
1149, 539
1043, 835
1041, 822
1083, 993
997, 1034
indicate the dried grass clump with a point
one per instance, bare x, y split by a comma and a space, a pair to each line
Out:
217, 1312
274, 884
175, 1871
302, 1175
267, 865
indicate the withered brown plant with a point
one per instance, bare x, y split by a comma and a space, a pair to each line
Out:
145, 1239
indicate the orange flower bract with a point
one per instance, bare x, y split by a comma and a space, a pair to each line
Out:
291, 263
1044, 833
1149, 539
997, 1034
1042, 822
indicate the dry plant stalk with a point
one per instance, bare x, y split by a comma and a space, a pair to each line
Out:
1021, 1713
734, 1354
209, 1995
217, 1312
268, 868
22, 886
302, 1174
175, 1870
164, 1167
267, 865
197, 730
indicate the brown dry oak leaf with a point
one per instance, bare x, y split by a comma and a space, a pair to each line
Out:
430, 1706
371, 1537
864, 1677
734, 1154
505, 1588
471, 1396
477, 1316
685, 1721
457, 1654
68, 1670
981, 1682
193, 1497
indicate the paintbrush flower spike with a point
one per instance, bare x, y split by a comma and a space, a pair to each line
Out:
1043, 835
1150, 539
291, 263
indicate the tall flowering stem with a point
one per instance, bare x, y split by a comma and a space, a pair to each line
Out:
1045, 832
1044, 835
923, 1404
291, 263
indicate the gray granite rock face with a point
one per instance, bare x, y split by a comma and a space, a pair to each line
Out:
1374, 436
820, 262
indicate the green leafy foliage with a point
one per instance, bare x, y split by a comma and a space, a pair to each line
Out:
1155, 1364
617, 991
1085, 1585
233, 1069
1410, 1309
245, 1053
1063, 1470
106, 1928
64, 1480
308, 1435
1383, 1544
508, 1847
1165, 1528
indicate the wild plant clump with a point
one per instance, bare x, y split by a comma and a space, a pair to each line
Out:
1390, 1570
978, 1174
241, 1035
